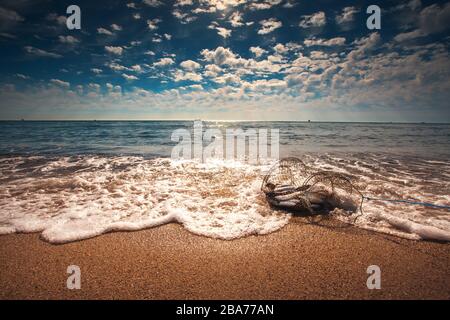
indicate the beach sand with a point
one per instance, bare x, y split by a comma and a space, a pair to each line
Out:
301, 261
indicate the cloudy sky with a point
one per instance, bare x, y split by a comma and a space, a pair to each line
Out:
225, 59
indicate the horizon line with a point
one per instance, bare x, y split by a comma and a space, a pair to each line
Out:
217, 120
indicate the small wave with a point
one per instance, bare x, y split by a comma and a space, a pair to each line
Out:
74, 198
215, 199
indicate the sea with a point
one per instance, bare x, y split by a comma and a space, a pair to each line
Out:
73, 180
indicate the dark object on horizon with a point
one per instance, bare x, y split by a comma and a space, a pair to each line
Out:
309, 120
22, 119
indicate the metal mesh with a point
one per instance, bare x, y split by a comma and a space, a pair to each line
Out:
290, 184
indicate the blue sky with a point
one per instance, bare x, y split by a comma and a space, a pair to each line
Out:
225, 59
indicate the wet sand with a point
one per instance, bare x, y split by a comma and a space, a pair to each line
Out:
301, 261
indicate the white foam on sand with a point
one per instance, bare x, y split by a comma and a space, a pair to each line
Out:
72, 198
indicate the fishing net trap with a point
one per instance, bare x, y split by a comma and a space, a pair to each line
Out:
293, 186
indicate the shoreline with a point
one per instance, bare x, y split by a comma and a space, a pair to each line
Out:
326, 260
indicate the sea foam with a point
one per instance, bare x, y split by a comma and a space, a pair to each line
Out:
73, 198
69, 199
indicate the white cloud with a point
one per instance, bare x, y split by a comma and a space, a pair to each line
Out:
184, 17
104, 31
411, 5
236, 19
7, 35
363, 46
317, 19
153, 3
212, 70
60, 83
196, 87
114, 50
190, 76
164, 62
96, 70
210, 6
262, 85
225, 58
68, 39
136, 68
190, 65
223, 32
289, 4
153, 23
22, 76
219, 56
94, 86
318, 55
269, 25
41, 53
61, 20
228, 78
136, 16
280, 48
405, 80
347, 15
117, 67
112, 87
405, 36
257, 51
264, 4
275, 58
338, 41
129, 77
116, 27
181, 3
283, 48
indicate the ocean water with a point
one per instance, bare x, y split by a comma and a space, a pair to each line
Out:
75, 180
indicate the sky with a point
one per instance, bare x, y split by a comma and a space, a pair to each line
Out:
225, 60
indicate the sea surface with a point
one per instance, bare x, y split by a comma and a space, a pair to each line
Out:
72, 180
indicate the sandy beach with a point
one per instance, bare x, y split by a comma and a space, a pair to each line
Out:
171, 150
325, 260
